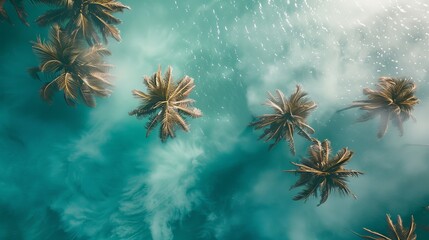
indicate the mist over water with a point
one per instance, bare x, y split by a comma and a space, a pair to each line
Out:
81, 173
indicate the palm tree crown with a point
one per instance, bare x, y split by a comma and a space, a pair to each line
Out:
77, 71
320, 173
288, 114
394, 99
85, 17
396, 231
167, 103
19, 8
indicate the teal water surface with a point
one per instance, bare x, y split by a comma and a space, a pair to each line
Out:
81, 173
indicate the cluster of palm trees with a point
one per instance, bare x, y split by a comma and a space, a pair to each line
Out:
167, 103
393, 99
71, 61
320, 174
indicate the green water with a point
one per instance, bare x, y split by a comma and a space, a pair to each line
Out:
81, 173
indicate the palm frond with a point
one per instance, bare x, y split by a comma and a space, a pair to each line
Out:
87, 95
384, 123
33, 71
307, 192
48, 90
153, 121
53, 16
395, 231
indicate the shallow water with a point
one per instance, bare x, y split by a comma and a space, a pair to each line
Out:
81, 173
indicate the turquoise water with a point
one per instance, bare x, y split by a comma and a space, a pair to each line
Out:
81, 173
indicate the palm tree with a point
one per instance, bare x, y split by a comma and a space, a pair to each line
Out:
396, 232
319, 173
75, 70
166, 102
394, 99
85, 17
19, 8
289, 114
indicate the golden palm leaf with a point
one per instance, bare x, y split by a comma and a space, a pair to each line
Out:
289, 114
393, 99
166, 103
71, 68
395, 231
86, 18
320, 173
